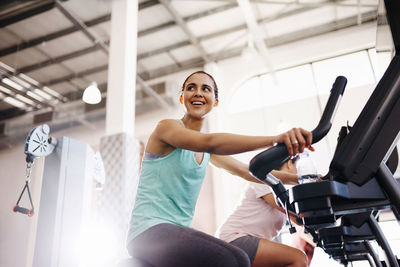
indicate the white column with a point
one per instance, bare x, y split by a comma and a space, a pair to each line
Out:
119, 149
120, 114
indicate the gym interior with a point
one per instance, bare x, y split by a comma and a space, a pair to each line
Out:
87, 81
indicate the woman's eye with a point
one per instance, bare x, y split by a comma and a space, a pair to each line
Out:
206, 89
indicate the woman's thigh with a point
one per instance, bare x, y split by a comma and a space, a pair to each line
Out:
273, 254
169, 245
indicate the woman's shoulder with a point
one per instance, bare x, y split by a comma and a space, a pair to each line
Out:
169, 122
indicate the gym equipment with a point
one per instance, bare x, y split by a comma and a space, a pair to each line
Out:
65, 199
358, 179
37, 144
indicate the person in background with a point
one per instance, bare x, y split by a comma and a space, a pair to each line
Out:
257, 220
173, 169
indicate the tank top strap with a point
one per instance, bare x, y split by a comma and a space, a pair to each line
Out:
181, 122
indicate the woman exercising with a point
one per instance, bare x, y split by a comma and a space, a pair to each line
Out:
257, 220
173, 169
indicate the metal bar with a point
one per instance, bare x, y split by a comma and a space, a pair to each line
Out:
382, 241
76, 75
56, 60
31, 43
373, 254
80, 25
256, 34
187, 19
390, 186
151, 92
104, 47
31, 9
193, 39
276, 41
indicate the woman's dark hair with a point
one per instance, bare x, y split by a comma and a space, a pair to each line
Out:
209, 75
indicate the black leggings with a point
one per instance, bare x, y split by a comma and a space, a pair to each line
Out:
169, 245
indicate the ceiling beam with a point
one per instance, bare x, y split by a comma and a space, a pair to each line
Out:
271, 42
187, 19
56, 60
295, 2
99, 42
82, 26
36, 41
23, 10
257, 35
163, 49
182, 24
75, 75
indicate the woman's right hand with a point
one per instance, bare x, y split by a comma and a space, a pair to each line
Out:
296, 140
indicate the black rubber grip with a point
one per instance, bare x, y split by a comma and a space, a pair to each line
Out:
26, 211
276, 156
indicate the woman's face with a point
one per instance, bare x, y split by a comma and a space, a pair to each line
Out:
198, 95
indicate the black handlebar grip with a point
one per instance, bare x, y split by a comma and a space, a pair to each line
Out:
274, 157
26, 211
325, 123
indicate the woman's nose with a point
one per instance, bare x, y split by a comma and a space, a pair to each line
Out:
198, 92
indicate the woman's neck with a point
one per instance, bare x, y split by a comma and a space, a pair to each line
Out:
192, 123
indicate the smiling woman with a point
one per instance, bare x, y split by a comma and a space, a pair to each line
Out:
173, 169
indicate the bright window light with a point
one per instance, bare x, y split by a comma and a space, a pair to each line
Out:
261, 91
380, 62
92, 94
97, 246
355, 67
247, 96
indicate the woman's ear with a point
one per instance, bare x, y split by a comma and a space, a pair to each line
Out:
181, 99
216, 102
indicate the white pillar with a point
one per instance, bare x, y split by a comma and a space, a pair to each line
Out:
120, 114
119, 149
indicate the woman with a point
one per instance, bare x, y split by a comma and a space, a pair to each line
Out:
257, 220
173, 169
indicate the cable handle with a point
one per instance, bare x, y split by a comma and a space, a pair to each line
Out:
22, 210
18, 208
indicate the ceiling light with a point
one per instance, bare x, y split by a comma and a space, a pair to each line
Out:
14, 102
92, 94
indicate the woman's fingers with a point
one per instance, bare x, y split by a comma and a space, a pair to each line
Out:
288, 143
300, 139
296, 140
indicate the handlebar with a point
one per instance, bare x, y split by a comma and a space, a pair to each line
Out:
274, 157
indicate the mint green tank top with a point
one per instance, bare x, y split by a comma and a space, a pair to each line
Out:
168, 191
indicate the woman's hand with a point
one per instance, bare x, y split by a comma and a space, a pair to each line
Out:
295, 140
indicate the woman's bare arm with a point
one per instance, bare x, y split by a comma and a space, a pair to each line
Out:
233, 166
173, 133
